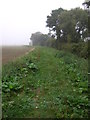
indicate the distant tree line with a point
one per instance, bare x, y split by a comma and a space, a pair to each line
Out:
66, 27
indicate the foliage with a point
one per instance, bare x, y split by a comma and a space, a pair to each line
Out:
12, 81
50, 42
69, 30
68, 25
56, 89
53, 23
39, 39
80, 49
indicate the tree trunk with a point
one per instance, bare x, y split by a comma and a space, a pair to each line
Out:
58, 39
89, 43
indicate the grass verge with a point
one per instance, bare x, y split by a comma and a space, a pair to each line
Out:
46, 83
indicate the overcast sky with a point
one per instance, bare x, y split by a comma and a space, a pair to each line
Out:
20, 18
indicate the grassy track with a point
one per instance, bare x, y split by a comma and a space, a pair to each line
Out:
46, 83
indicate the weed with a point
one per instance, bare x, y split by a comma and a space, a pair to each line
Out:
55, 84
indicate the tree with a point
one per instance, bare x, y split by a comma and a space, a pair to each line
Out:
39, 39
87, 3
74, 23
69, 25
52, 22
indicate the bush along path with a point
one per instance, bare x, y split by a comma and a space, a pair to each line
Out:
45, 83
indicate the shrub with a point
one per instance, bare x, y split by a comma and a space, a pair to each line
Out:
80, 49
50, 42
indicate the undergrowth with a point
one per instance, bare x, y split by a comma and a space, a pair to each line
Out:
46, 83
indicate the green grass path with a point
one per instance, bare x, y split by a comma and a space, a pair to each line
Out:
46, 83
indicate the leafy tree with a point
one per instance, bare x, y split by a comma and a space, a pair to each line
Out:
53, 23
74, 24
69, 25
39, 39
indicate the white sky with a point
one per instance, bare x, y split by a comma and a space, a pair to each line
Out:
20, 18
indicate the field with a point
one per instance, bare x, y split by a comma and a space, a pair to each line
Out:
45, 83
10, 53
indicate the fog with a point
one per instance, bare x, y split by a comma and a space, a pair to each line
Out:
20, 18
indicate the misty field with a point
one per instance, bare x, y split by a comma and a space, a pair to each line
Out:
10, 53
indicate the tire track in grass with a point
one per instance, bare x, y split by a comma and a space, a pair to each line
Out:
36, 98
30, 51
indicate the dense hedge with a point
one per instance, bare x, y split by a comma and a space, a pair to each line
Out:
80, 49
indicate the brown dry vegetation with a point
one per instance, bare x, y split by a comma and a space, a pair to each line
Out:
10, 53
